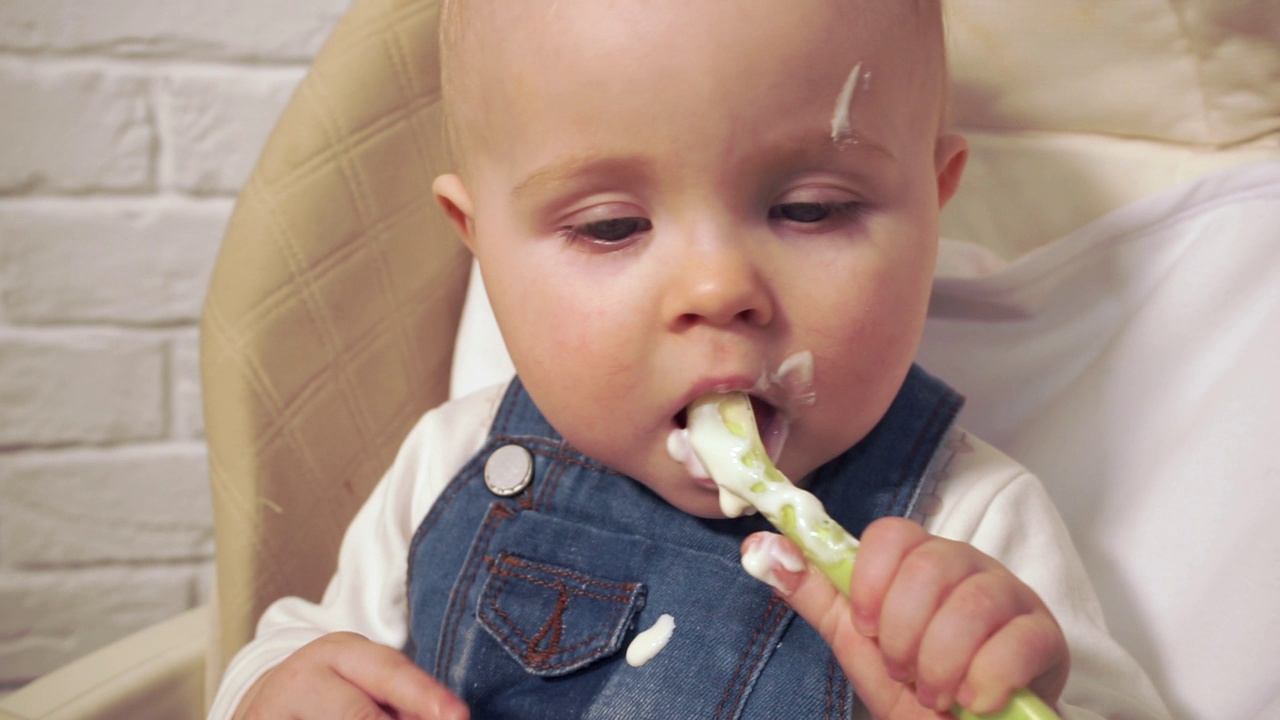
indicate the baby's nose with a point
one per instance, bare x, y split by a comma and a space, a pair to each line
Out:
718, 283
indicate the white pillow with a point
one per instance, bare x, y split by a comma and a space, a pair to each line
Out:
1134, 365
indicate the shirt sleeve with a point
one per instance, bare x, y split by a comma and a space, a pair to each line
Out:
367, 592
991, 502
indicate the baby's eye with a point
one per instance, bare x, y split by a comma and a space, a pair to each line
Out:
816, 216
607, 232
801, 212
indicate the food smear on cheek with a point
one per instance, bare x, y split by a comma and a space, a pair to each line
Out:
794, 378
649, 643
788, 389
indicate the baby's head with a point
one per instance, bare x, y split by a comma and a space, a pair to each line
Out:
669, 197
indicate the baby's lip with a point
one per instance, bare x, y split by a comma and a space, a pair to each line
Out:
726, 384
771, 422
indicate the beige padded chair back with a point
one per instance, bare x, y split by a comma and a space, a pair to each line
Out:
1074, 109
329, 325
332, 314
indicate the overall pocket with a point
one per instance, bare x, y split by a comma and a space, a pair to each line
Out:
547, 607
554, 620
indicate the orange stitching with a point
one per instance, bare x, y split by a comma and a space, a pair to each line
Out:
842, 685
459, 599
766, 626
826, 707
517, 561
557, 586
540, 659
554, 450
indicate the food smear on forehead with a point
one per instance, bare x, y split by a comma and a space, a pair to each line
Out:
840, 127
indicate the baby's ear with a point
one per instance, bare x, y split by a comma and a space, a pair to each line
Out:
950, 154
453, 197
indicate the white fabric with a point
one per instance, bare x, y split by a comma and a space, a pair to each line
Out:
1132, 365
983, 498
480, 358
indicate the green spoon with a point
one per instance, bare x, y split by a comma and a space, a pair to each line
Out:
723, 433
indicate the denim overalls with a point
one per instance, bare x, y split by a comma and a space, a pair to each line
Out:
524, 605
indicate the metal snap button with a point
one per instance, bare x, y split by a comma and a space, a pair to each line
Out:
508, 470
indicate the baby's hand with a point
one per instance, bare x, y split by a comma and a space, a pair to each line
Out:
928, 622
344, 675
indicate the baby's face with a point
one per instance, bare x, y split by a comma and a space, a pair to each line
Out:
659, 210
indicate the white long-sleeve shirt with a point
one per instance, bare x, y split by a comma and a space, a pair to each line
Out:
982, 497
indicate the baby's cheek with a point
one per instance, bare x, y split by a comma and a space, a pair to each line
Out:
839, 419
593, 424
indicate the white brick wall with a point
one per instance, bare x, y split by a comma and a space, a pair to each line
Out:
126, 128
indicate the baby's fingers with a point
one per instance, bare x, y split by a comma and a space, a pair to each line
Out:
775, 560
973, 613
309, 691
884, 545
395, 682
1026, 652
306, 692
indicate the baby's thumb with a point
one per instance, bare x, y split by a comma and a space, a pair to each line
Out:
775, 561
778, 562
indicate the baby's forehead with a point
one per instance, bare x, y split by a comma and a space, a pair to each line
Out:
493, 48
476, 24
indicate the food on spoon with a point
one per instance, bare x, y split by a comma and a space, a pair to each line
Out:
723, 433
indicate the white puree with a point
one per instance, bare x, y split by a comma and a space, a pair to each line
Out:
765, 557
650, 642
794, 376
840, 116
794, 381
723, 434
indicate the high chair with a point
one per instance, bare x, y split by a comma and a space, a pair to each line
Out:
1108, 295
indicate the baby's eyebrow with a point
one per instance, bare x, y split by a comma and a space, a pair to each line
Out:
820, 142
813, 149
561, 171
556, 176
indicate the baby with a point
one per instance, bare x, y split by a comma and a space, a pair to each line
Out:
668, 198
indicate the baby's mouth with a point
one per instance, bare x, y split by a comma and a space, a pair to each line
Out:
770, 422
772, 425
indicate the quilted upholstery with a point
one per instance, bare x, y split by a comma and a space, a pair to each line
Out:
329, 324
330, 321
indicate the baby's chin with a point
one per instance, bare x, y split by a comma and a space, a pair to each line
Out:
704, 505
699, 498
